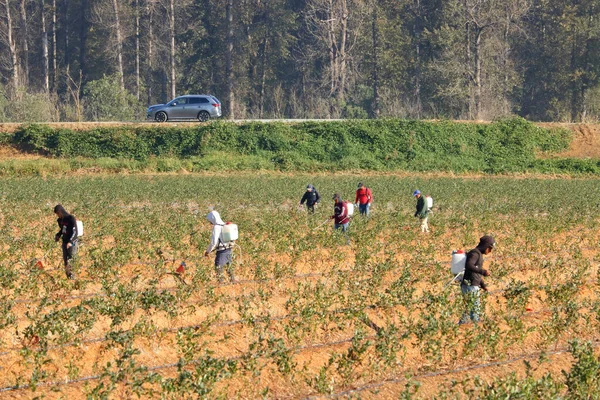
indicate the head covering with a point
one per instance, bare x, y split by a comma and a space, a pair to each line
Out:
309, 186
214, 218
336, 196
60, 210
360, 185
416, 192
485, 242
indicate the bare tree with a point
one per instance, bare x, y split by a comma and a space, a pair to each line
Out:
340, 22
119, 43
137, 49
228, 59
150, 52
24, 40
375, 111
54, 52
12, 47
46, 67
172, 47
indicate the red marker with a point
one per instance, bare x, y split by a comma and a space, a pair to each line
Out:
181, 268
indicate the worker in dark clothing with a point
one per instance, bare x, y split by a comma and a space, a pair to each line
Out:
473, 281
311, 197
422, 210
68, 231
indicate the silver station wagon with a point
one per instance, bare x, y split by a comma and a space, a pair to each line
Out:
202, 107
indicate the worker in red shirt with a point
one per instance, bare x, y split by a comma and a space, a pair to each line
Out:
364, 197
340, 216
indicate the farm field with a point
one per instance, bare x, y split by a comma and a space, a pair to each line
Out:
310, 316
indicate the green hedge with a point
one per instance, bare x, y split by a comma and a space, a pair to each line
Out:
503, 146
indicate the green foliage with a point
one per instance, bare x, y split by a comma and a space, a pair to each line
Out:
503, 146
583, 380
105, 101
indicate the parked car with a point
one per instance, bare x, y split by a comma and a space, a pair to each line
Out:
192, 106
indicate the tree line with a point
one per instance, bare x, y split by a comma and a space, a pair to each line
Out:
460, 59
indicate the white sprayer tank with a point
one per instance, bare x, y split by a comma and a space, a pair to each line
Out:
429, 200
79, 228
459, 261
350, 208
229, 233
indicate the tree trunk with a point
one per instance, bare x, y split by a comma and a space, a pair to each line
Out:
172, 36
24, 38
263, 73
375, 73
12, 48
417, 32
83, 36
119, 44
341, 89
477, 59
46, 67
469, 75
506, 89
54, 67
137, 49
331, 42
67, 54
150, 71
228, 59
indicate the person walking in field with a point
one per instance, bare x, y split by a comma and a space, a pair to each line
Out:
223, 258
68, 231
311, 198
363, 200
422, 210
340, 216
473, 282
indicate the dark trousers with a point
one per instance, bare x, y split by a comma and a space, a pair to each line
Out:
224, 259
68, 255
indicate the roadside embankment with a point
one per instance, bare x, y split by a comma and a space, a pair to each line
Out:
507, 146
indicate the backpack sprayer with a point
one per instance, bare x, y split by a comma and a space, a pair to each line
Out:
457, 266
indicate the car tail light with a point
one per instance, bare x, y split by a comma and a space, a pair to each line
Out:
216, 105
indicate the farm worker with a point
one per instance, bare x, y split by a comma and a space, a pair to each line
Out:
311, 197
422, 210
364, 198
223, 257
473, 278
340, 213
68, 231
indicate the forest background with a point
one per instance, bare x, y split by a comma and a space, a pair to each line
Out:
103, 60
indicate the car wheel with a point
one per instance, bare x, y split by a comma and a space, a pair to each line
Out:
203, 116
161, 116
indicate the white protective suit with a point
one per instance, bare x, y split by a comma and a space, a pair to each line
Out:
214, 218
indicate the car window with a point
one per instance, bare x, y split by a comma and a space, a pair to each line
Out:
199, 100
216, 100
179, 101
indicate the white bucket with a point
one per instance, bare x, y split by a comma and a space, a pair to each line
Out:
459, 261
229, 233
79, 228
429, 202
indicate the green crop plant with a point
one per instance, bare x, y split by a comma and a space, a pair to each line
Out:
309, 312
